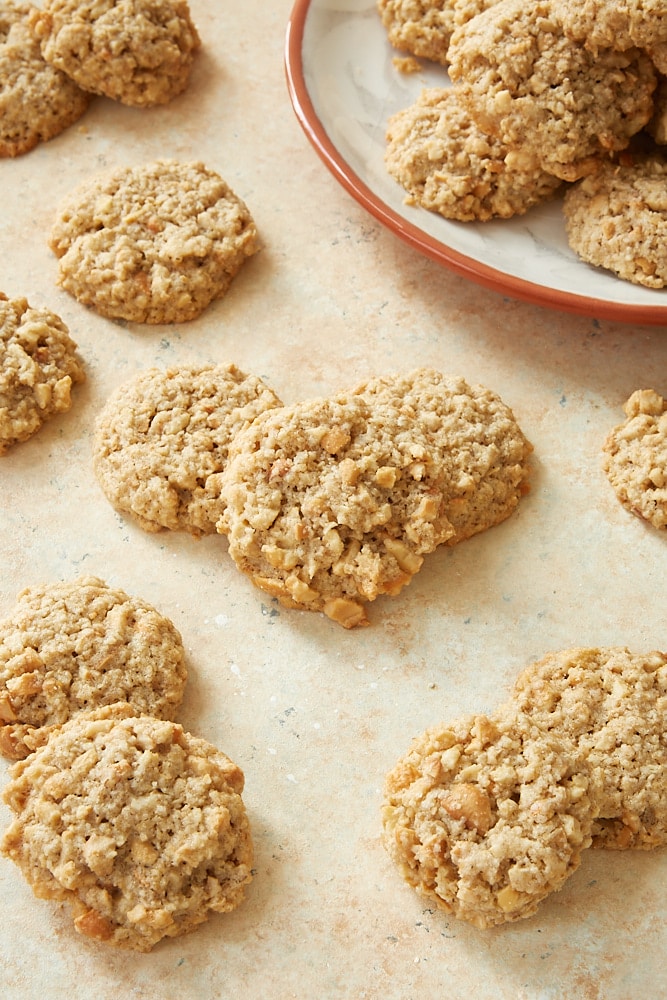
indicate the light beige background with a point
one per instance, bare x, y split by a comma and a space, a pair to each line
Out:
313, 714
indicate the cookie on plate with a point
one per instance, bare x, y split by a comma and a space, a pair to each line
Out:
420, 27
137, 824
617, 219
615, 24
163, 438
613, 704
138, 52
424, 27
552, 101
487, 816
154, 243
635, 457
447, 164
331, 502
66, 648
38, 367
37, 101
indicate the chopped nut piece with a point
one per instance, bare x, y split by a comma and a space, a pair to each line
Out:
469, 803
334, 440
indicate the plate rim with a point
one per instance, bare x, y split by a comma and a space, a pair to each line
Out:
418, 239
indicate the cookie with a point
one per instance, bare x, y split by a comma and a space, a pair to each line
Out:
163, 438
552, 101
66, 648
38, 367
447, 164
154, 243
420, 27
613, 704
487, 816
635, 457
37, 101
138, 52
615, 24
617, 219
331, 502
138, 825
424, 27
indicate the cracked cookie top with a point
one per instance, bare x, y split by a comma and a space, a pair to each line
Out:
66, 648
138, 825
38, 367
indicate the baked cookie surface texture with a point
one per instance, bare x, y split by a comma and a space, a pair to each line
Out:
552, 101
635, 457
616, 24
154, 243
330, 503
38, 367
612, 703
617, 219
487, 817
66, 648
436, 151
37, 101
163, 439
137, 824
139, 52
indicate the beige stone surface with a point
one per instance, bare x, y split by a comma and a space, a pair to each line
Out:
315, 716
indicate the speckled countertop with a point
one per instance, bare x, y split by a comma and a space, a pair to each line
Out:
313, 714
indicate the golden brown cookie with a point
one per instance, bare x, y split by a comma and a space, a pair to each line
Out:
162, 441
138, 825
38, 367
331, 502
613, 704
487, 816
447, 164
552, 101
37, 101
615, 24
635, 457
617, 219
155, 243
66, 648
139, 52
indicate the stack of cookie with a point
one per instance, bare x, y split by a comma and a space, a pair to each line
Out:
545, 96
327, 503
137, 824
488, 815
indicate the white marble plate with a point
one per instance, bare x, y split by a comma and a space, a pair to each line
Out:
344, 85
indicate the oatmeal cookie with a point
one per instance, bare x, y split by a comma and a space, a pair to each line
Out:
331, 502
551, 100
447, 164
421, 27
163, 438
37, 101
138, 52
635, 457
38, 367
486, 817
617, 219
613, 24
155, 243
138, 825
424, 27
66, 648
613, 704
